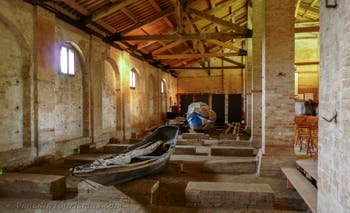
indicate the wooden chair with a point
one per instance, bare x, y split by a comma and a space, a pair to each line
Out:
313, 141
302, 130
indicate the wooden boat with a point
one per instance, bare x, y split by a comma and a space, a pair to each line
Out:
146, 157
200, 116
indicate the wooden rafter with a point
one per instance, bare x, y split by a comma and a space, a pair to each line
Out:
232, 61
216, 20
156, 7
167, 47
110, 8
307, 29
223, 44
297, 8
308, 7
161, 15
205, 55
202, 36
206, 68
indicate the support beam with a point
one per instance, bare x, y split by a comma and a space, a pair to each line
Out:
297, 8
307, 63
232, 61
206, 68
167, 47
205, 55
201, 36
223, 44
214, 19
307, 29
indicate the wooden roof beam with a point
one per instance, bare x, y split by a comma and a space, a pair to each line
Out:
232, 61
204, 55
167, 47
223, 44
214, 19
206, 68
201, 36
307, 29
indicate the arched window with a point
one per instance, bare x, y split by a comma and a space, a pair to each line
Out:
67, 60
133, 79
162, 87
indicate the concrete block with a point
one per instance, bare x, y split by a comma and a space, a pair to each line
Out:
231, 166
195, 136
141, 190
185, 150
24, 185
87, 148
192, 142
226, 194
91, 190
115, 148
232, 151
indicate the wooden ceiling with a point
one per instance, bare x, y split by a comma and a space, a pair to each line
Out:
169, 34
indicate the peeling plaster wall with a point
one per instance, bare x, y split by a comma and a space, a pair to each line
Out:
16, 83
47, 113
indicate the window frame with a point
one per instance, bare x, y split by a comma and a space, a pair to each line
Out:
133, 79
162, 87
69, 50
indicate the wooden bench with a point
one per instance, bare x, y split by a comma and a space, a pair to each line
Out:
305, 189
24, 185
227, 194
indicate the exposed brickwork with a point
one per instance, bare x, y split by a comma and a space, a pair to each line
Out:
52, 114
334, 143
278, 86
258, 26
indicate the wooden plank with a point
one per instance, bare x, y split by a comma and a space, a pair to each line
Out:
305, 189
77, 7
156, 6
309, 166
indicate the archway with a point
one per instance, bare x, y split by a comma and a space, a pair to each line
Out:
15, 89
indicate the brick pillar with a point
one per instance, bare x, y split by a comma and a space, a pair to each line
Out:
334, 96
278, 87
45, 72
258, 30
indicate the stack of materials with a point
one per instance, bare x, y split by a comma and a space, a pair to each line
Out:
200, 116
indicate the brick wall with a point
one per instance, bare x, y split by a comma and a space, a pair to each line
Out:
334, 95
45, 113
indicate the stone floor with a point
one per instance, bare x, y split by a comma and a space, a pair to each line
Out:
170, 196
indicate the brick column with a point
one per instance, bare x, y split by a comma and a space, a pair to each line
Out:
334, 96
278, 87
258, 30
45, 72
